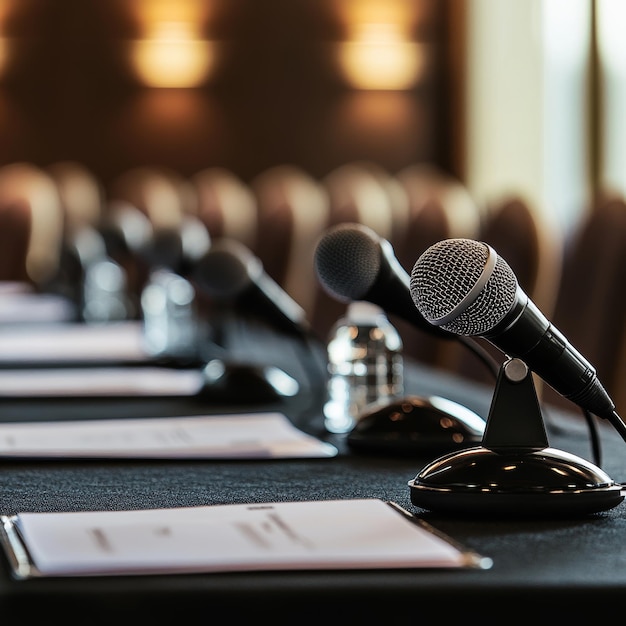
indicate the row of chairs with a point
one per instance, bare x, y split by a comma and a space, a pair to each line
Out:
280, 215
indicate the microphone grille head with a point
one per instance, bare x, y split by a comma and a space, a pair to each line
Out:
348, 260
443, 280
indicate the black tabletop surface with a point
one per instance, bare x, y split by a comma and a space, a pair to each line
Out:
569, 566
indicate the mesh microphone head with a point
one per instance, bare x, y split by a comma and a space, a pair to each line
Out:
348, 261
445, 274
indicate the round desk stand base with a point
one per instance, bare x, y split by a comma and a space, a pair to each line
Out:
528, 483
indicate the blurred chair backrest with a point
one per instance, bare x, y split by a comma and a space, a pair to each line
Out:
439, 207
531, 244
163, 196
81, 195
591, 305
27, 188
226, 205
15, 227
357, 193
292, 212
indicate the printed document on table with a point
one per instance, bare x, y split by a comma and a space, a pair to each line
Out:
76, 341
311, 535
264, 435
86, 382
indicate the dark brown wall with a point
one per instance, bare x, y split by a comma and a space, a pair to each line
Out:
68, 96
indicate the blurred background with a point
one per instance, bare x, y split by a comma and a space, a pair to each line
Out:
268, 121
523, 94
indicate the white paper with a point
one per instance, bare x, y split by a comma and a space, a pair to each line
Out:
100, 381
115, 341
236, 436
330, 534
19, 305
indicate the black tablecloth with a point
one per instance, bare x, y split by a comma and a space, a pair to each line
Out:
568, 567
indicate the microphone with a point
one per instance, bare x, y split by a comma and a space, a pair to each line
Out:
128, 232
230, 272
465, 287
177, 249
354, 263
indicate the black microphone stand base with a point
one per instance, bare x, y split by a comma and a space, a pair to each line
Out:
514, 472
535, 483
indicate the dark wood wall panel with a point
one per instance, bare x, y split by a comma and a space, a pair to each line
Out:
67, 94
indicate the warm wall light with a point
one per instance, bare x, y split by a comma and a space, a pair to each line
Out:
379, 49
6, 45
379, 57
172, 55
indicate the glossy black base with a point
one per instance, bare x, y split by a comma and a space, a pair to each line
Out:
479, 481
416, 425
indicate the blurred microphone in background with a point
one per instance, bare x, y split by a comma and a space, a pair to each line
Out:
232, 277
87, 275
169, 306
94, 281
158, 259
252, 318
126, 232
144, 246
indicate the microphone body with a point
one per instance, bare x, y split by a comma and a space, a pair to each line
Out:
464, 286
354, 263
529, 336
230, 273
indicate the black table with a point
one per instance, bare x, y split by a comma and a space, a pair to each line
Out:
562, 567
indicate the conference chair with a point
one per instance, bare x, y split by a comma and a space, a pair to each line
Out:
591, 305
293, 211
81, 195
440, 207
29, 199
15, 229
226, 206
161, 194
